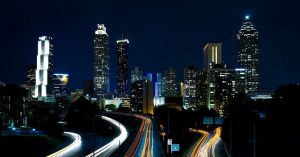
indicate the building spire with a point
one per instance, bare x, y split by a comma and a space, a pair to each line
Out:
247, 17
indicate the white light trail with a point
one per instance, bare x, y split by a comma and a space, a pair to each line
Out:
69, 148
107, 149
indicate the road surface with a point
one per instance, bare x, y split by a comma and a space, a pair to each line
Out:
90, 144
209, 145
146, 142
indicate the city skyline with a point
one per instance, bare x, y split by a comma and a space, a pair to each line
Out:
165, 32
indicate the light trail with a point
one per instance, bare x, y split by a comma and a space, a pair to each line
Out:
73, 146
109, 148
208, 149
205, 146
196, 148
143, 142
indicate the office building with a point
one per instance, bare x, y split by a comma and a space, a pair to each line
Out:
239, 83
30, 74
136, 75
44, 68
201, 88
170, 86
190, 81
248, 54
212, 54
30, 78
148, 104
158, 85
14, 106
137, 80
60, 82
223, 84
101, 64
122, 67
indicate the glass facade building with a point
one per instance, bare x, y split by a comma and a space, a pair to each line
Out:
223, 84
101, 63
122, 67
44, 67
248, 54
137, 90
30, 78
60, 82
30, 75
190, 82
170, 86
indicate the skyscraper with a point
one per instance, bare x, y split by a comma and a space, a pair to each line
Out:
30, 78
248, 53
201, 88
137, 90
60, 82
148, 97
30, 74
44, 67
122, 67
136, 75
170, 83
223, 84
190, 80
101, 63
158, 85
212, 53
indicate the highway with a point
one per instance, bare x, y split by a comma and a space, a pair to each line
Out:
206, 145
90, 144
145, 141
142, 145
71, 147
194, 151
110, 147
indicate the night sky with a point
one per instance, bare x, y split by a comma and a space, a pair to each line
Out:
162, 34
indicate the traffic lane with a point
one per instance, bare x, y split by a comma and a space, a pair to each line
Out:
90, 141
110, 147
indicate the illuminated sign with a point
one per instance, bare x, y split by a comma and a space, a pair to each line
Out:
175, 148
208, 120
218, 120
63, 78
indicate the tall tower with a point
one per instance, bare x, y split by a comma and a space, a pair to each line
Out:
190, 82
248, 53
122, 67
101, 63
158, 85
148, 97
44, 67
170, 83
137, 90
212, 53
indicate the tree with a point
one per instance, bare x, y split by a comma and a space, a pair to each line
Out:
111, 107
82, 113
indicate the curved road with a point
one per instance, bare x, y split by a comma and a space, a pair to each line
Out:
206, 145
71, 147
90, 144
146, 142
109, 148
